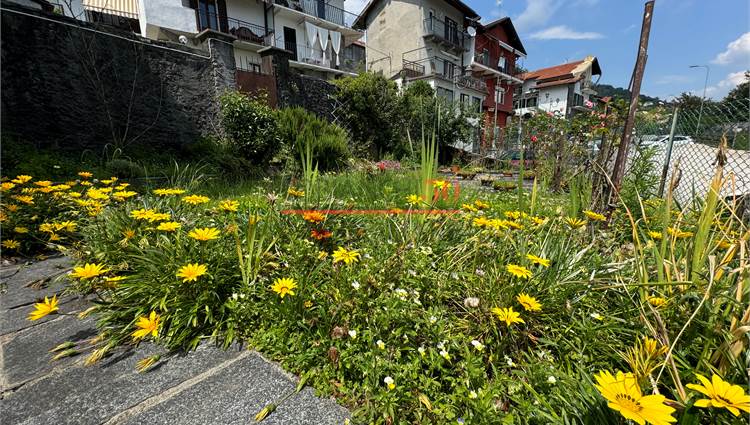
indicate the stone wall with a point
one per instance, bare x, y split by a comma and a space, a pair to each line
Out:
71, 85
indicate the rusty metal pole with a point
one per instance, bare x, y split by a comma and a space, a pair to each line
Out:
627, 132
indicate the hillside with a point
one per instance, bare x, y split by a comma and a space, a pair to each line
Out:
621, 93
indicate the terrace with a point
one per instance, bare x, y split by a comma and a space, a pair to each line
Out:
323, 10
448, 35
243, 30
345, 62
485, 65
435, 66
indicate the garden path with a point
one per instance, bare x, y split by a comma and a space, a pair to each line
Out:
206, 386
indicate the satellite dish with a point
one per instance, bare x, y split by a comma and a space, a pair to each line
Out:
472, 31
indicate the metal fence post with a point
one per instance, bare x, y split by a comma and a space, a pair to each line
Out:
668, 156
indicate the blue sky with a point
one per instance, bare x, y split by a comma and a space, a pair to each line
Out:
684, 32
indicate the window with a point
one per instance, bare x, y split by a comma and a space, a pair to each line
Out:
500, 95
465, 99
501, 63
208, 14
449, 69
477, 103
451, 30
577, 99
529, 102
445, 94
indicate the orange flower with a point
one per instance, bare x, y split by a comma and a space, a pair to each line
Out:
320, 234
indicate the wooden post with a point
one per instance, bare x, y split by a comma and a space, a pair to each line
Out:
640, 66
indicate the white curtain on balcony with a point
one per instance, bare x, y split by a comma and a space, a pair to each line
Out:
336, 44
312, 32
323, 38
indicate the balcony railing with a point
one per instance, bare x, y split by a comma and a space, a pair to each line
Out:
347, 61
321, 9
450, 34
483, 57
435, 66
243, 30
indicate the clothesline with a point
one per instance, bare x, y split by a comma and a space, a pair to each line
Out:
321, 36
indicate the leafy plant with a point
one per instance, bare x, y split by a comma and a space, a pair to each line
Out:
250, 125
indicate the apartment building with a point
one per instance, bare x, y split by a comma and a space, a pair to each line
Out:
426, 40
317, 33
562, 90
492, 57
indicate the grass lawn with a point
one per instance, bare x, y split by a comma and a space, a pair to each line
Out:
500, 308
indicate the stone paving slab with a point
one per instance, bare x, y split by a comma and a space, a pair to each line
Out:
237, 393
206, 386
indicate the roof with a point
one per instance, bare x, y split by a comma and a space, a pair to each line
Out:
361, 20
513, 38
563, 74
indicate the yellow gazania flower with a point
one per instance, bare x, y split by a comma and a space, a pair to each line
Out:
513, 224
47, 228
128, 234
575, 223
43, 183
229, 205
168, 226
122, 186
657, 301
3, 216
147, 325
24, 199
109, 181
539, 221
11, 207
21, 179
284, 286
347, 256
469, 207
142, 214
74, 194
507, 315
11, 244
481, 204
513, 215
721, 394
595, 216
296, 193
42, 309
313, 216
657, 236
54, 237
528, 302
723, 244
88, 271
322, 255
624, 395
481, 222
204, 234
413, 200
196, 199
191, 272
68, 226
168, 192
97, 194
538, 260
124, 194
7, 186
440, 184
518, 271
21, 229
679, 234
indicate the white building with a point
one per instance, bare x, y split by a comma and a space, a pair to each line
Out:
561, 90
318, 33
427, 40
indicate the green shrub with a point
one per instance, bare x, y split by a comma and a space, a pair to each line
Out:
329, 141
250, 126
124, 168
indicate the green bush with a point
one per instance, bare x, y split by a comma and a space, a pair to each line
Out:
250, 126
329, 141
124, 168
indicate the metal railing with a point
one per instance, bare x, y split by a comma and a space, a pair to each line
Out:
436, 66
243, 30
347, 61
452, 35
112, 17
321, 9
483, 57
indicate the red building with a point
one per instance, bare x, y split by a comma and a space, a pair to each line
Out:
496, 50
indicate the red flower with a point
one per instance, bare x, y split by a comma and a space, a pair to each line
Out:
320, 234
533, 139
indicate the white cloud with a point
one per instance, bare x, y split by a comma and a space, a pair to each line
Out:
674, 79
737, 51
724, 86
562, 32
536, 14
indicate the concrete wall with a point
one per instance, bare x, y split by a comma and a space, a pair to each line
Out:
170, 14
246, 10
556, 102
393, 27
68, 85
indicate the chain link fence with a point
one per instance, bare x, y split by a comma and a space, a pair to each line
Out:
696, 130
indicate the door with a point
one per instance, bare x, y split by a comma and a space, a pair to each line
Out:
322, 9
290, 41
212, 14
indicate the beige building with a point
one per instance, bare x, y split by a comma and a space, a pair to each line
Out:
410, 40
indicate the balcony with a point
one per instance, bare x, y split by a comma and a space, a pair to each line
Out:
588, 87
448, 35
485, 66
317, 59
437, 67
244, 31
320, 9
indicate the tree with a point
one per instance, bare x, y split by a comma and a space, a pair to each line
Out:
372, 111
739, 93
